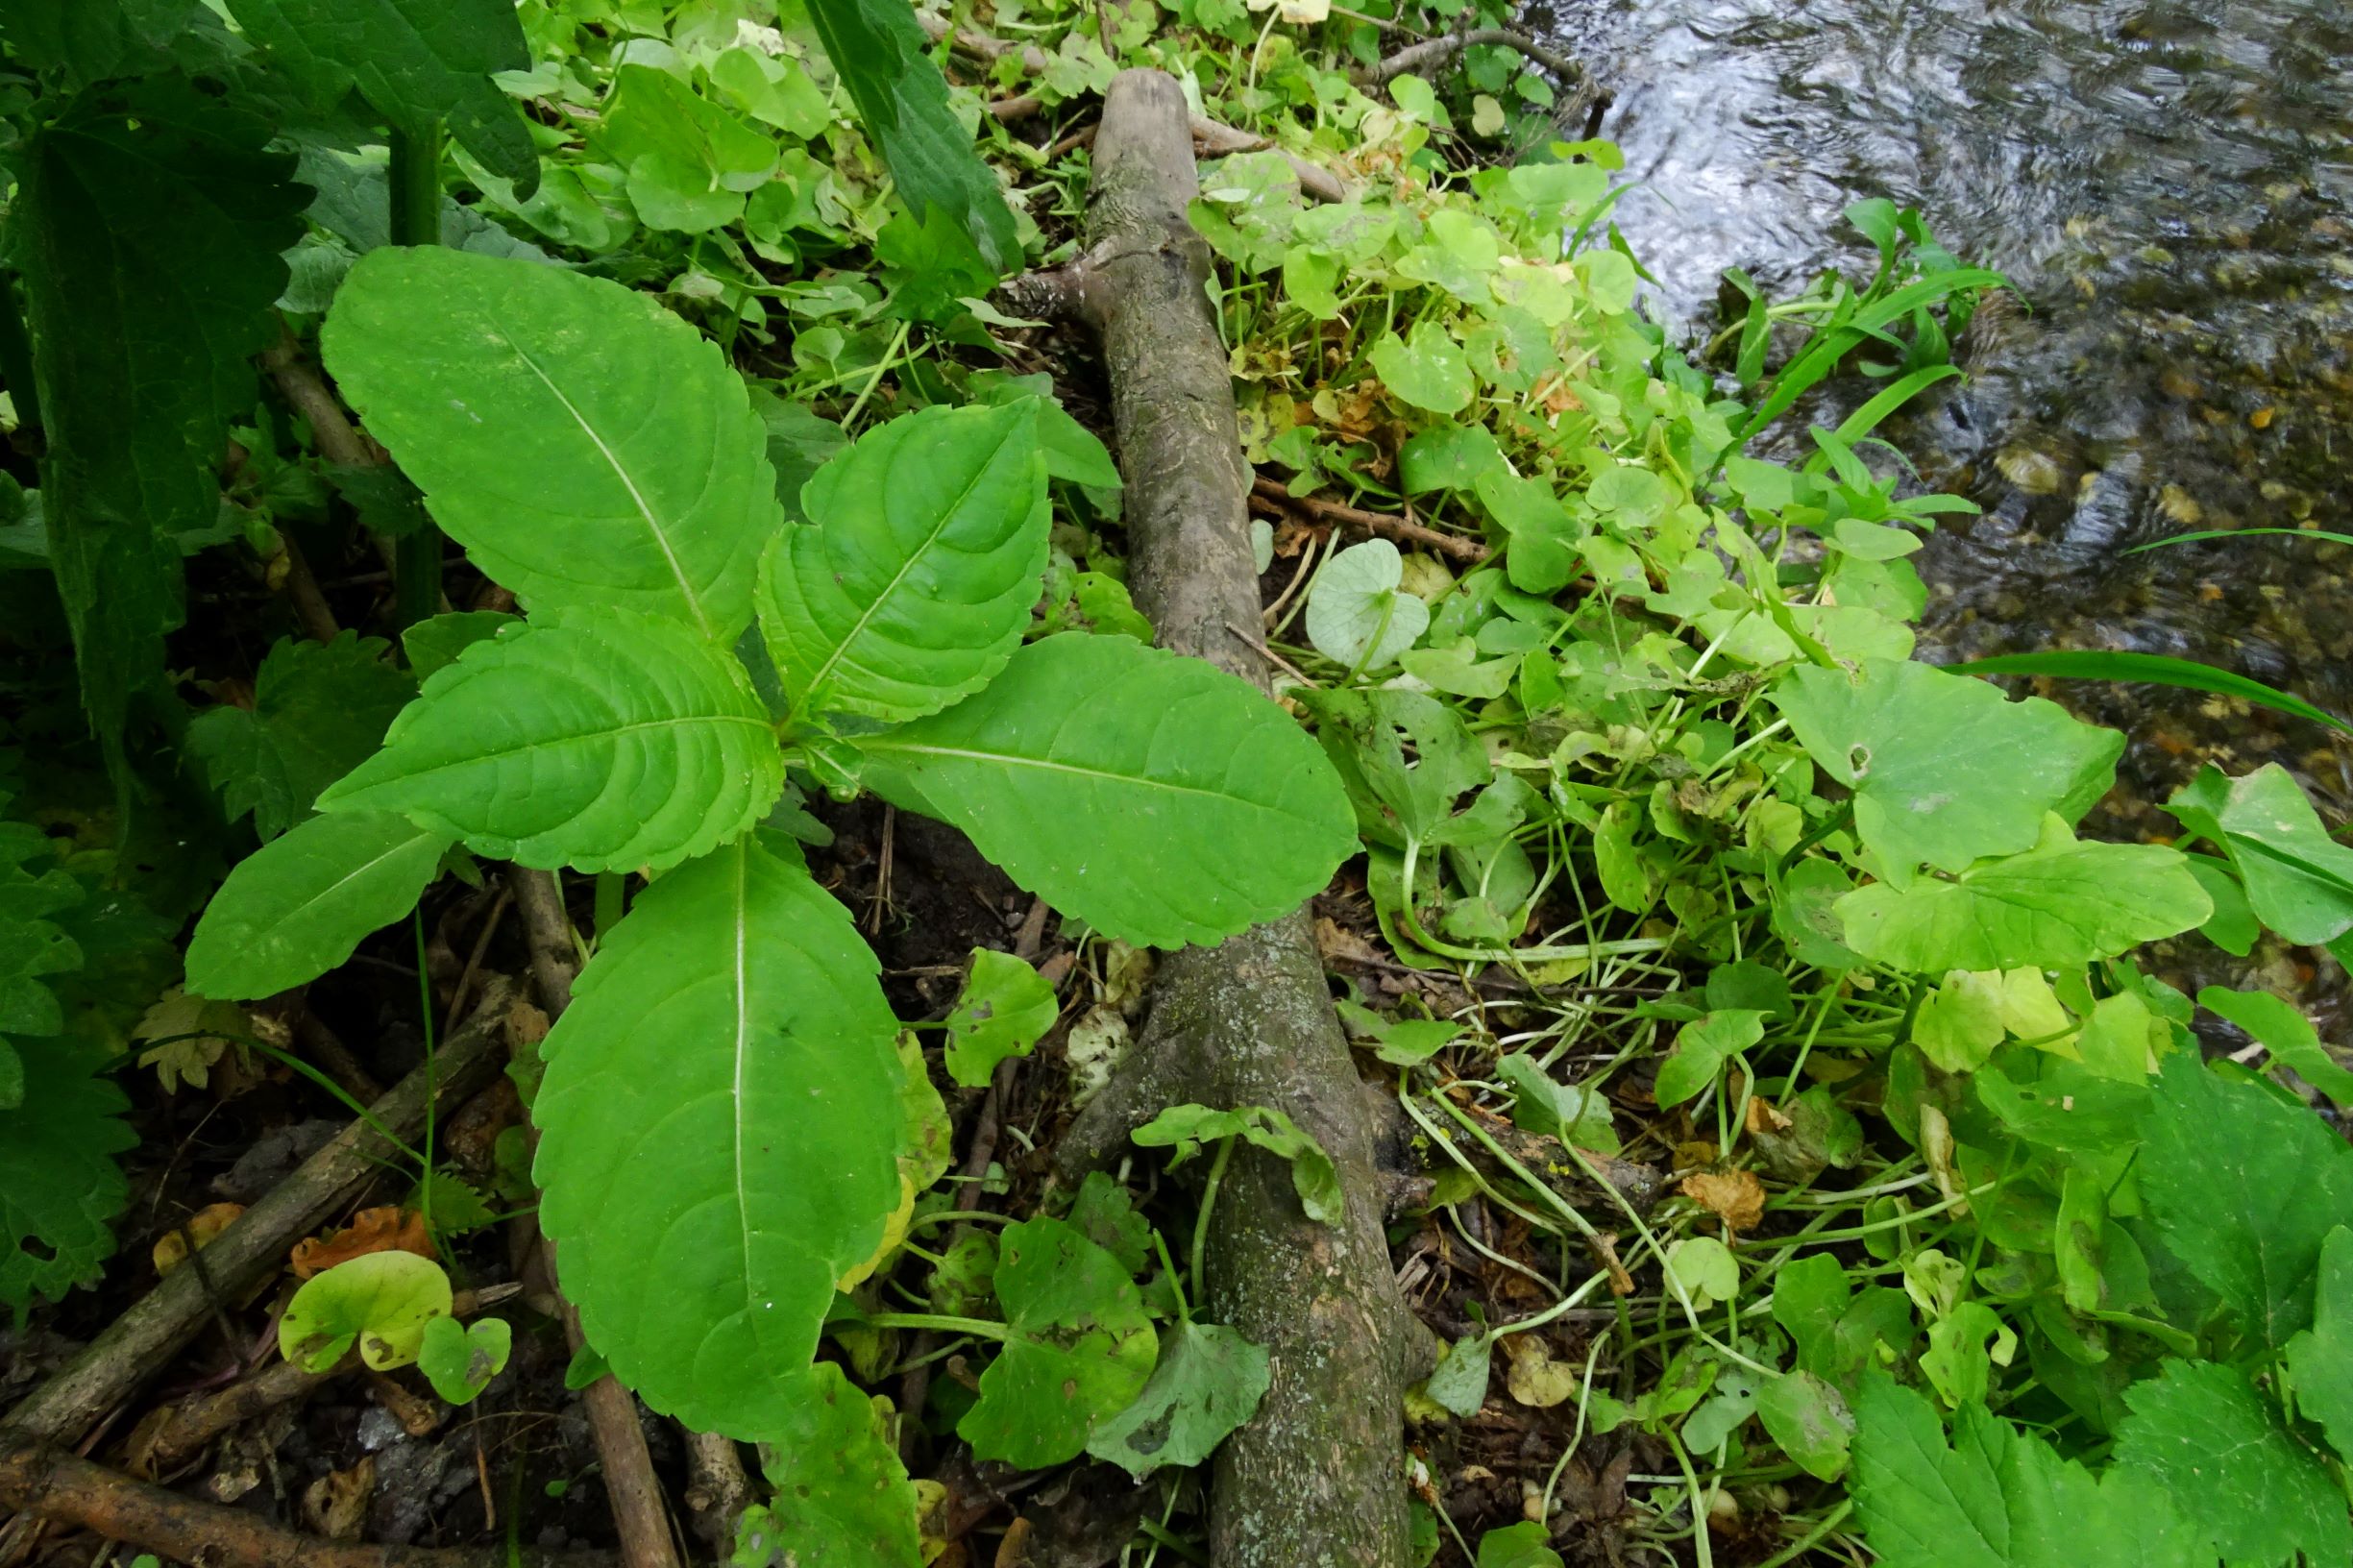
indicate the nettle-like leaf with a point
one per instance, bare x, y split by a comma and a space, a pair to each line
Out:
32, 945
380, 1301
912, 583
320, 709
2245, 1190
148, 229
2059, 905
719, 1122
587, 738
1079, 1349
302, 904
417, 61
842, 1495
586, 446
2200, 1431
2320, 1359
2299, 880
1944, 768
882, 57
1157, 797
58, 1183
1209, 1379
1995, 1497
1005, 1007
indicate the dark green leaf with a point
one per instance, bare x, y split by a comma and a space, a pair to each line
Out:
2202, 1434
1208, 1381
841, 1496
58, 1185
320, 710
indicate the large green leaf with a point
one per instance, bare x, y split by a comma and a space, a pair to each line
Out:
590, 739
720, 1126
299, 907
58, 1185
148, 229
2320, 1359
2299, 880
1079, 1350
1157, 797
418, 62
914, 579
88, 40
319, 709
2245, 1190
842, 1495
1944, 768
878, 50
586, 445
1995, 1497
2202, 1434
2059, 905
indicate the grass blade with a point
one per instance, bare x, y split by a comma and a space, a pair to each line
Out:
2148, 668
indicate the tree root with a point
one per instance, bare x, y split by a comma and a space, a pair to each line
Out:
1436, 52
1271, 493
1314, 1480
45, 1481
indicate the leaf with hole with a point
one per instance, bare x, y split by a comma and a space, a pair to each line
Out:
1159, 799
720, 1124
592, 739
913, 582
587, 447
1078, 1350
58, 1183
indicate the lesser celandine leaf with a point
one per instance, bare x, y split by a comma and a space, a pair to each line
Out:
2287, 1034
842, 1495
1995, 1497
2299, 880
1157, 797
417, 61
300, 906
2202, 1432
587, 447
583, 738
460, 1359
2058, 906
1006, 1005
1944, 768
914, 579
720, 1124
380, 1301
1357, 613
1080, 1348
1208, 1381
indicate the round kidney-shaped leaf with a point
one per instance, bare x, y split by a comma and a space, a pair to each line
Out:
720, 1129
379, 1300
843, 1496
1080, 1349
590, 739
1156, 797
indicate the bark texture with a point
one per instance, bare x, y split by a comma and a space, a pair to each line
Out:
1314, 1480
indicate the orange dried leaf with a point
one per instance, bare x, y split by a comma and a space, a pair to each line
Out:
388, 1229
1736, 1197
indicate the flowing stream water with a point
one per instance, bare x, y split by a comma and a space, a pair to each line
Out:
2170, 185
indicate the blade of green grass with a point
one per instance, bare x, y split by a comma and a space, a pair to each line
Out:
2236, 533
2148, 668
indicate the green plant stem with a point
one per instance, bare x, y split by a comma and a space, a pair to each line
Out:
979, 1328
1160, 1244
1700, 1542
1812, 1538
608, 913
416, 220
1209, 1201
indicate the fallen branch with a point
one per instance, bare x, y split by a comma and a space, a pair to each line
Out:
45, 1481
1312, 1478
1218, 139
143, 1341
1402, 531
718, 1490
1423, 57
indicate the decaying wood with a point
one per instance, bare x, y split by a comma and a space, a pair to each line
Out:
1419, 57
143, 1341
640, 1515
1401, 530
45, 1481
1313, 1480
718, 1490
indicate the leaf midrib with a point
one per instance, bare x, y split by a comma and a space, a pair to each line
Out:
1044, 765
482, 758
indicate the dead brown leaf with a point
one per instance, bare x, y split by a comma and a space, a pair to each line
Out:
1605, 1245
389, 1228
1764, 1117
1735, 1196
336, 1503
171, 1249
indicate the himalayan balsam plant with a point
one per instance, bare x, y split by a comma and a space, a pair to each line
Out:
720, 1119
